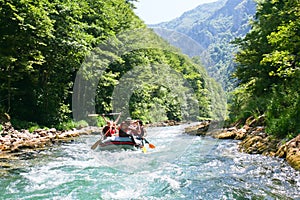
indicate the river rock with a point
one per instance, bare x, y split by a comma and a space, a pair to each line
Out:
254, 139
199, 129
291, 151
227, 134
259, 144
19, 140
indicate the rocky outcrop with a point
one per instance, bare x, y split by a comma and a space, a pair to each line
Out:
259, 144
291, 152
16, 141
199, 129
254, 140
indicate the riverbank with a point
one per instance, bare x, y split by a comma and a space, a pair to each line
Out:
18, 141
254, 140
252, 136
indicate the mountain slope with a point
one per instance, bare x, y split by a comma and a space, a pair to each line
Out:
213, 26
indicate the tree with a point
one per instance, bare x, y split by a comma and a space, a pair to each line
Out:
268, 64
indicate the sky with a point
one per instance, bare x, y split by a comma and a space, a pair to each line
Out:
156, 11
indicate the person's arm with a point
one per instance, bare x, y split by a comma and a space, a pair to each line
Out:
139, 130
104, 118
143, 131
118, 118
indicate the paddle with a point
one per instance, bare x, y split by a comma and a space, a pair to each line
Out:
96, 115
151, 146
144, 149
94, 146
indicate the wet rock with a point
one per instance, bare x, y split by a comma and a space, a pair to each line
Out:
227, 134
20, 140
199, 129
164, 123
254, 139
259, 144
291, 151
241, 134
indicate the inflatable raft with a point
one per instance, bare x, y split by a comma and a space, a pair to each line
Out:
115, 142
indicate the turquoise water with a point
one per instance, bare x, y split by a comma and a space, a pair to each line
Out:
180, 167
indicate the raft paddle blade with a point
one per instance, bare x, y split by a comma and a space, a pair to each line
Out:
152, 146
144, 149
95, 145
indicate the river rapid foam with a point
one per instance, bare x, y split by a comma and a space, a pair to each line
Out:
180, 167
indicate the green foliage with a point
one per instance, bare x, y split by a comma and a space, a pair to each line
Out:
100, 122
242, 105
81, 124
44, 44
268, 67
284, 111
66, 125
33, 128
157, 83
71, 124
19, 124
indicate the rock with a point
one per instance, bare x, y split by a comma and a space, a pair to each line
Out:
293, 152
281, 152
52, 130
226, 135
293, 158
254, 139
249, 145
241, 134
18, 141
259, 144
199, 129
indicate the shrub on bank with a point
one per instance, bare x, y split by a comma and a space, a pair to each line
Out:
68, 125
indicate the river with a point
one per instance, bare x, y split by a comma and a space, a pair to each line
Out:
180, 167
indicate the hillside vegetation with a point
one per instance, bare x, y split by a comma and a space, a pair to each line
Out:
268, 68
252, 48
65, 59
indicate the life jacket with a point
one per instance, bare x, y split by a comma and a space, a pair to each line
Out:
123, 133
108, 131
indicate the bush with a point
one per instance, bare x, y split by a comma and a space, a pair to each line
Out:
19, 124
68, 125
283, 113
242, 105
81, 124
33, 128
100, 121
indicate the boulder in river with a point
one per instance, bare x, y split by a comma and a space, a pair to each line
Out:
291, 151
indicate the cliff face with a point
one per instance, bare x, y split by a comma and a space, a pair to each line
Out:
213, 26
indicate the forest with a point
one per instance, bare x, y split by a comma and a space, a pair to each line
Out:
267, 71
63, 59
